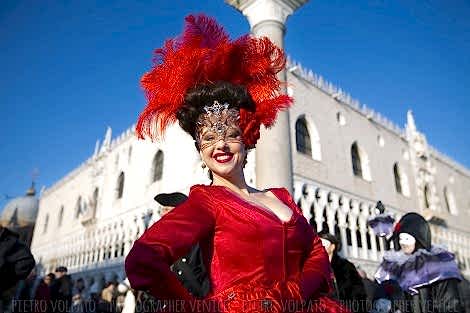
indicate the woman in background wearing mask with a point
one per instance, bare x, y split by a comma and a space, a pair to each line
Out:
427, 274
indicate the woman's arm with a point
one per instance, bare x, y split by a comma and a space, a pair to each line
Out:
148, 262
316, 273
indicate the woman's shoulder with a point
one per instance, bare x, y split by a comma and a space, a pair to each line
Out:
201, 188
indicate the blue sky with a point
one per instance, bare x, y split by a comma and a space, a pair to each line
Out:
71, 68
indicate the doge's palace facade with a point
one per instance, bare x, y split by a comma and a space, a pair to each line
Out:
89, 219
344, 158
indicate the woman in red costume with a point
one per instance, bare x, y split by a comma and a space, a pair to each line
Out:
260, 252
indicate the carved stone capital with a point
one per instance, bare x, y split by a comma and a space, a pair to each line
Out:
258, 11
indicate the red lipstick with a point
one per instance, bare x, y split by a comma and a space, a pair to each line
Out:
223, 157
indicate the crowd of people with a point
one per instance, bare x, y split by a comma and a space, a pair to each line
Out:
58, 293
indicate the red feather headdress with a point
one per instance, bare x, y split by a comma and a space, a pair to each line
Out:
205, 54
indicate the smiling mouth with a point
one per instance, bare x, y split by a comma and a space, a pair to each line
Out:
223, 157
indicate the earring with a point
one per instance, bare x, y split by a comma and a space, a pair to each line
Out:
203, 165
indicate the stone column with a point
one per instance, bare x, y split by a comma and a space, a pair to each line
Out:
363, 228
332, 208
343, 212
273, 150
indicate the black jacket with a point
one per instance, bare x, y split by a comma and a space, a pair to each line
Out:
350, 289
440, 297
61, 293
464, 292
16, 261
192, 273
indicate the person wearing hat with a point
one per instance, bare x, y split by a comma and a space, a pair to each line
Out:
349, 288
189, 269
61, 289
427, 274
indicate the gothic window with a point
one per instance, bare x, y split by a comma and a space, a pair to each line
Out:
360, 162
61, 216
401, 180
157, 166
307, 137
396, 174
450, 201
78, 207
95, 198
302, 137
120, 186
426, 196
356, 160
46, 222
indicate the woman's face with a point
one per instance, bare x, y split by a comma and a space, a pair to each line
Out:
407, 243
223, 153
219, 137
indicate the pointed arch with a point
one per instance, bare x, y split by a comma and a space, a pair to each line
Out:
307, 137
96, 193
120, 186
360, 162
78, 206
426, 196
401, 180
302, 136
157, 166
396, 175
61, 216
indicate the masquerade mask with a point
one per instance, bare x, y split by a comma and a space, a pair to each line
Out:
219, 122
406, 239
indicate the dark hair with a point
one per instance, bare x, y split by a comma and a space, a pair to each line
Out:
61, 269
51, 276
196, 98
331, 238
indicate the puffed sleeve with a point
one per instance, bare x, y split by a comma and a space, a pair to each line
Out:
316, 274
148, 263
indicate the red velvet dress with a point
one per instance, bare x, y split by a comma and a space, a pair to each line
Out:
255, 262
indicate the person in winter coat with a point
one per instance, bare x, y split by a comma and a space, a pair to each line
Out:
61, 290
16, 261
42, 295
427, 274
349, 286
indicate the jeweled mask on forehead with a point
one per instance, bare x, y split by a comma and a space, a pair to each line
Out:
218, 121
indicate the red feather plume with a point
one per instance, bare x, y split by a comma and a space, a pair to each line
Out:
203, 54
